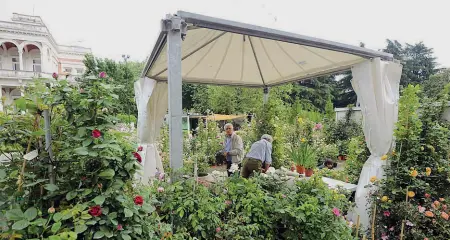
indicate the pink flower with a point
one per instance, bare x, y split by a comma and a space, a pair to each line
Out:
408, 223
140, 148
138, 157
318, 126
387, 213
227, 202
119, 227
283, 196
55, 76
336, 212
160, 189
102, 75
391, 229
421, 209
161, 176
384, 236
218, 229
425, 239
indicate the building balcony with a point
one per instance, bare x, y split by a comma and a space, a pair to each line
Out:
23, 75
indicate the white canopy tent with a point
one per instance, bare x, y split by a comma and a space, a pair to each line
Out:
222, 52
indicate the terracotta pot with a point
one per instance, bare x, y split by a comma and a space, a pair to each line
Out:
342, 157
300, 169
309, 172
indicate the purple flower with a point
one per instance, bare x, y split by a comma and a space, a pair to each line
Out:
55, 76
102, 75
161, 176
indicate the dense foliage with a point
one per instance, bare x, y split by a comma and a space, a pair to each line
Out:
413, 198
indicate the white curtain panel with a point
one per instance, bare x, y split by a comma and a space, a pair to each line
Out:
376, 83
152, 103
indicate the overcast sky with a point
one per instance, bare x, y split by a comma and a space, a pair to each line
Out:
112, 28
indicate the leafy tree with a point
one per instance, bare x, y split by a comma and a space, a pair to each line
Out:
418, 61
124, 74
433, 86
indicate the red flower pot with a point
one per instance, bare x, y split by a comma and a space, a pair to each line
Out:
342, 157
300, 169
309, 172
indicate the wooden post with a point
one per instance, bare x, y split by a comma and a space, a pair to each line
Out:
373, 221
357, 226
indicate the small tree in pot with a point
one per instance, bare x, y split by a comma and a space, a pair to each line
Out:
309, 156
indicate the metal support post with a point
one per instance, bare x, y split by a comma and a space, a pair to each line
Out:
48, 145
266, 95
175, 28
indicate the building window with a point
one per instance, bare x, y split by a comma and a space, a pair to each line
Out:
37, 65
15, 64
68, 70
79, 71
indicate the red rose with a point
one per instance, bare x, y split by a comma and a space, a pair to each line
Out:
96, 133
138, 200
427, 195
119, 227
102, 75
55, 76
95, 211
140, 148
137, 156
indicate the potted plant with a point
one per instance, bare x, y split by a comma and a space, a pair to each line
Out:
309, 158
297, 159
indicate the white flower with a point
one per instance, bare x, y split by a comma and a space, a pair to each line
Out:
234, 167
271, 170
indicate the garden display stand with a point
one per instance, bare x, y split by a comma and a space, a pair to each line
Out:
204, 50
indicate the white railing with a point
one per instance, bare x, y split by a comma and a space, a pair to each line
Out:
23, 74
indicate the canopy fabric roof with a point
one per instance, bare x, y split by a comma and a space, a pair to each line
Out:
222, 52
220, 117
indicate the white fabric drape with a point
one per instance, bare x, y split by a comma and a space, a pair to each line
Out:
377, 85
152, 104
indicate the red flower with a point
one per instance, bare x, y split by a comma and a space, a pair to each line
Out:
95, 211
138, 157
387, 213
119, 227
96, 133
102, 75
55, 76
218, 229
427, 195
140, 148
138, 200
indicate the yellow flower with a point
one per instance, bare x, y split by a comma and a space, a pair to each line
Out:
303, 140
390, 201
428, 171
414, 173
300, 120
384, 157
393, 152
384, 199
422, 148
373, 179
411, 194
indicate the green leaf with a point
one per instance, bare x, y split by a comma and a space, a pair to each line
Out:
128, 212
31, 213
39, 132
87, 142
100, 146
91, 222
99, 200
93, 154
14, 215
115, 147
117, 184
21, 103
86, 192
80, 228
2, 174
99, 235
57, 216
54, 237
107, 174
39, 222
56, 227
82, 151
51, 187
71, 195
126, 236
108, 234
19, 225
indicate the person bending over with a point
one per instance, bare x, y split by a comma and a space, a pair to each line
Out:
260, 152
